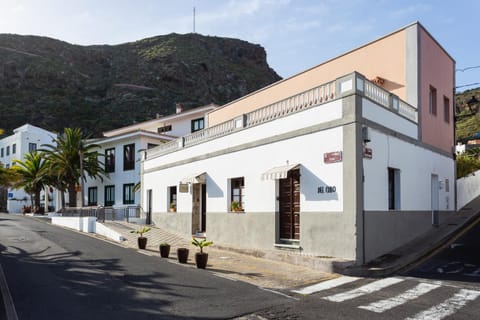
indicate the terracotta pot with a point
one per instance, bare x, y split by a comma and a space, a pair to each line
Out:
142, 242
182, 255
201, 260
164, 250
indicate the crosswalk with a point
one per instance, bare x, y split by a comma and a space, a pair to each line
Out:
447, 301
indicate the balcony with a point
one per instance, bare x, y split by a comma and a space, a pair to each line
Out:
344, 86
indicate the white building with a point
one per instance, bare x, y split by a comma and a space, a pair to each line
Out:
24, 139
326, 162
122, 148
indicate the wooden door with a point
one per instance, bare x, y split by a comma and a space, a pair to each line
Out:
289, 206
204, 208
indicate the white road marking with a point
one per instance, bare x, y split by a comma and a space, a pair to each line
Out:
369, 288
326, 285
448, 307
7, 297
387, 304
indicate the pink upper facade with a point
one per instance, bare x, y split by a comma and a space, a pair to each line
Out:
408, 61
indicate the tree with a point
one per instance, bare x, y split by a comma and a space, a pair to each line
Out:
64, 161
32, 175
467, 164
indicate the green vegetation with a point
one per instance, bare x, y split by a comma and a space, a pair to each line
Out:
33, 175
141, 231
202, 243
70, 158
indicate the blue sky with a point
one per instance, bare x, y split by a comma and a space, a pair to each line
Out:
297, 34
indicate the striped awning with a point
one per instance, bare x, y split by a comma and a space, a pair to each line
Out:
194, 178
279, 172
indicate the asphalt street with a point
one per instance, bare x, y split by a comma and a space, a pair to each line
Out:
459, 261
53, 273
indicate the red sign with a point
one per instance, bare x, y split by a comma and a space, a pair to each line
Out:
367, 153
332, 157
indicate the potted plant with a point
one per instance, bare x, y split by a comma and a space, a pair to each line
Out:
182, 255
201, 257
173, 207
164, 249
142, 241
236, 206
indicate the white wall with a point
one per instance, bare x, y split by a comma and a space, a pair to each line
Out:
388, 119
252, 162
416, 165
468, 188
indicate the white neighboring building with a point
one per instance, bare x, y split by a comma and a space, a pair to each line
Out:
122, 148
24, 139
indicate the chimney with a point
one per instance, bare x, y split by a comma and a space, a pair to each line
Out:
179, 107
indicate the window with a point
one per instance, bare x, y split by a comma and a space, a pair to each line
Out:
164, 129
128, 194
198, 124
432, 101
14, 148
237, 194
172, 198
1, 152
393, 189
8, 150
109, 195
32, 147
110, 160
446, 109
151, 145
92, 196
129, 157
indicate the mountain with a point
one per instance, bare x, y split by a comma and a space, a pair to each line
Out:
468, 116
54, 84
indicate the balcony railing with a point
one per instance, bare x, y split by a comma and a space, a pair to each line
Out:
307, 99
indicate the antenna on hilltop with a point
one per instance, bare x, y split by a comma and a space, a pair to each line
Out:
193, 19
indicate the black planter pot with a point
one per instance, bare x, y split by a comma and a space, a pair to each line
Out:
201, 260
164, 250
142, 242
182, 255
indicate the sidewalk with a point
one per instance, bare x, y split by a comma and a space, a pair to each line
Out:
225, 263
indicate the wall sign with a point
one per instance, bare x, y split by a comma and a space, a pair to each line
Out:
332, 157
183, 187
327, 189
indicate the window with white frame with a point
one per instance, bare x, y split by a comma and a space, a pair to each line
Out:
32, 147
92, 196
128, 194
237, 194
109, 196
172, 198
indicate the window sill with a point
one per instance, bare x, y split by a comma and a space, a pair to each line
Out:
239, 212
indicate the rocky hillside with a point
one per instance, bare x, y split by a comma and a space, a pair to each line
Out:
54, 84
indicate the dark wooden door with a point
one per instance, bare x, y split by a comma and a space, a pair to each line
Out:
149, 207
289, 206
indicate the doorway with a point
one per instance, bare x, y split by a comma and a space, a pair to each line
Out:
148, 219
199, 208
435, 189
289, 207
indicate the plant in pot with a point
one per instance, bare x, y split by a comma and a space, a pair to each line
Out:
164, 249
142, 241
236, 206
173, 207
182, 255
201, 257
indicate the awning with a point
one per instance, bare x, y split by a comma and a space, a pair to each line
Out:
279, 172
194, 178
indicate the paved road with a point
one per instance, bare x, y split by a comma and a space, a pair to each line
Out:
460, 261
446, 286
54, 273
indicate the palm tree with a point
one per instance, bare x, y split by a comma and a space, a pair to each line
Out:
32, 175
64, 161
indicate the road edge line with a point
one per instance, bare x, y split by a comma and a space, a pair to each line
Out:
7, 297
